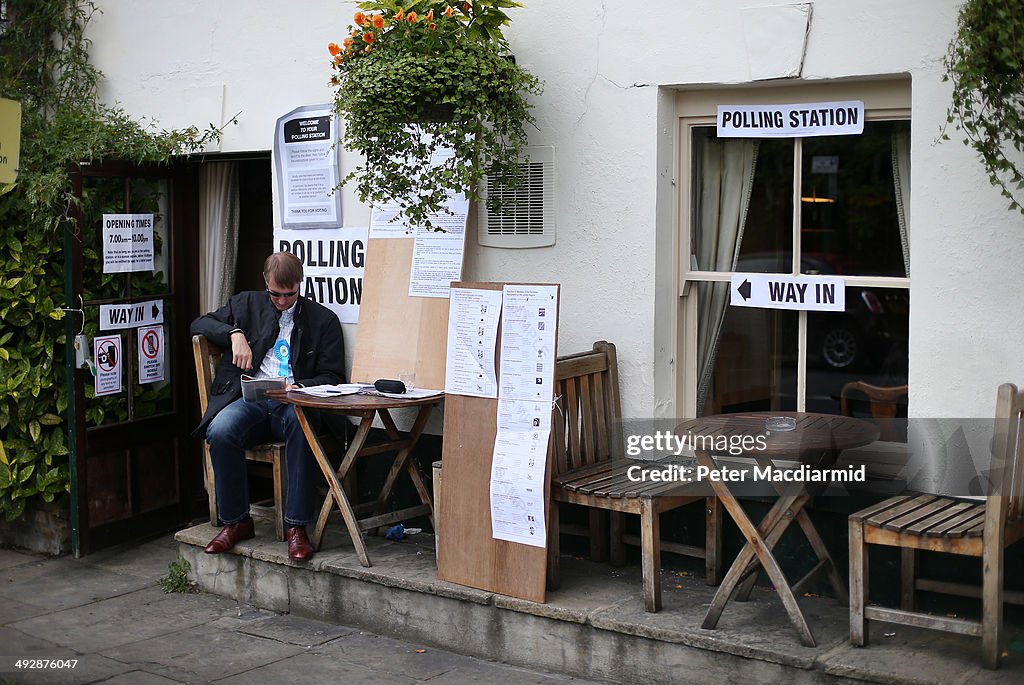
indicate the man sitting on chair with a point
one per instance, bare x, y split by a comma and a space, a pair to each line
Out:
277, 333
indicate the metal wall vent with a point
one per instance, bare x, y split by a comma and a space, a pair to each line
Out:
528, 220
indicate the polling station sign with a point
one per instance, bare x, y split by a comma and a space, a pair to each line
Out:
306, 159
773, 291
791, 121
127, 243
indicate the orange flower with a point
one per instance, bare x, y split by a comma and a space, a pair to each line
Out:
335, 81
449, 12
333, 48
359, 18
348, 42
338, 59
368, 48
378, 21
431, 26
369, 38
466, 6
411, 18
400, 14
430, 16
354, 33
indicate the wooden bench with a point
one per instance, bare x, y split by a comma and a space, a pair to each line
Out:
588, 468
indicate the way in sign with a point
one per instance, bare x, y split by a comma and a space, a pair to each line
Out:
115, 316
797, 292
772, 291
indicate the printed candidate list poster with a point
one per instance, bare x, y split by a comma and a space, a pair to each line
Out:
306, 162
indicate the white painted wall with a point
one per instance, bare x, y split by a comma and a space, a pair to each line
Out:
603, 64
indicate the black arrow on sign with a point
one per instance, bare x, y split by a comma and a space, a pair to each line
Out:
156, 310
744, 289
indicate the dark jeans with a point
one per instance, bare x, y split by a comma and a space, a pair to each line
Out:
242, 424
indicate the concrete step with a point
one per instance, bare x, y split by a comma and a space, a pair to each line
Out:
593, 627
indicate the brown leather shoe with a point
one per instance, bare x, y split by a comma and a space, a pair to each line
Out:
299, 548
230, 535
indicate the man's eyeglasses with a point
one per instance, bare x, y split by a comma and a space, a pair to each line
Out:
274, 293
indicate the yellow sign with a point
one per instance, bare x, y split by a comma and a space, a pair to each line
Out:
10, 139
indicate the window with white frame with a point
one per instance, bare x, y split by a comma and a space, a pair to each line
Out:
826, 205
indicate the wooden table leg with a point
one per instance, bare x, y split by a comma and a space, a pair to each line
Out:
825, 561
337, 493
755, 545
403, 462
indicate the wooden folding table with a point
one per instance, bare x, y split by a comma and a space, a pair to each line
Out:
816, 441
366, 407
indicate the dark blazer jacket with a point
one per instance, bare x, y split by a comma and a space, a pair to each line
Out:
317, 344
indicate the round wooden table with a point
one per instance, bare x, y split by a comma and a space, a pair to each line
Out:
816, 440
366, 407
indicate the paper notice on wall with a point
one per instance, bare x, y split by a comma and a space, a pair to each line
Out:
517, 479
306, 163
106, 350
791, 121
151, 354
528, 326
472, 338
437, 254
332, 266
127, 243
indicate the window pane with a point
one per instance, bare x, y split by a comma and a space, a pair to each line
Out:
767, 245
754, 361
867, 342
742, 193
849, 220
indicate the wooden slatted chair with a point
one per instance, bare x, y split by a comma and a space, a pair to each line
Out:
588, 469
944, 524
207, 356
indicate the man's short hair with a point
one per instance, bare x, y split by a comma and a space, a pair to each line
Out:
283, 267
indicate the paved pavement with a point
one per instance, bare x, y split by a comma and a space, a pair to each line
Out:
107, 615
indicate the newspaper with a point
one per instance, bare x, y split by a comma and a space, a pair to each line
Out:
254, 389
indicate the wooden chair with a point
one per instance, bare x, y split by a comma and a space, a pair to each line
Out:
207, 356
883, 403
944, 524
588, 467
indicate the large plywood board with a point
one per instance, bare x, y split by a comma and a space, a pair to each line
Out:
398, 333
467, 553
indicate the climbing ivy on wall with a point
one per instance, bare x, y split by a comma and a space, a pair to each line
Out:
985, 64
44, 64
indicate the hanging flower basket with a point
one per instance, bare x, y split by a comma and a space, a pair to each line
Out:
416, 78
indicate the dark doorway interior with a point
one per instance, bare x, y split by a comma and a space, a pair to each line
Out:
255, 222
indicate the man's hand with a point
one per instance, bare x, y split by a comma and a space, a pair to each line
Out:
241, 353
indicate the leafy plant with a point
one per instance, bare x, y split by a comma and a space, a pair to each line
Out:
985, 64
176, 579
44, 64
417, 78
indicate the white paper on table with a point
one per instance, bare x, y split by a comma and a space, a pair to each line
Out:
437, 255
472, 336
529, 316
332, 390
517, 486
